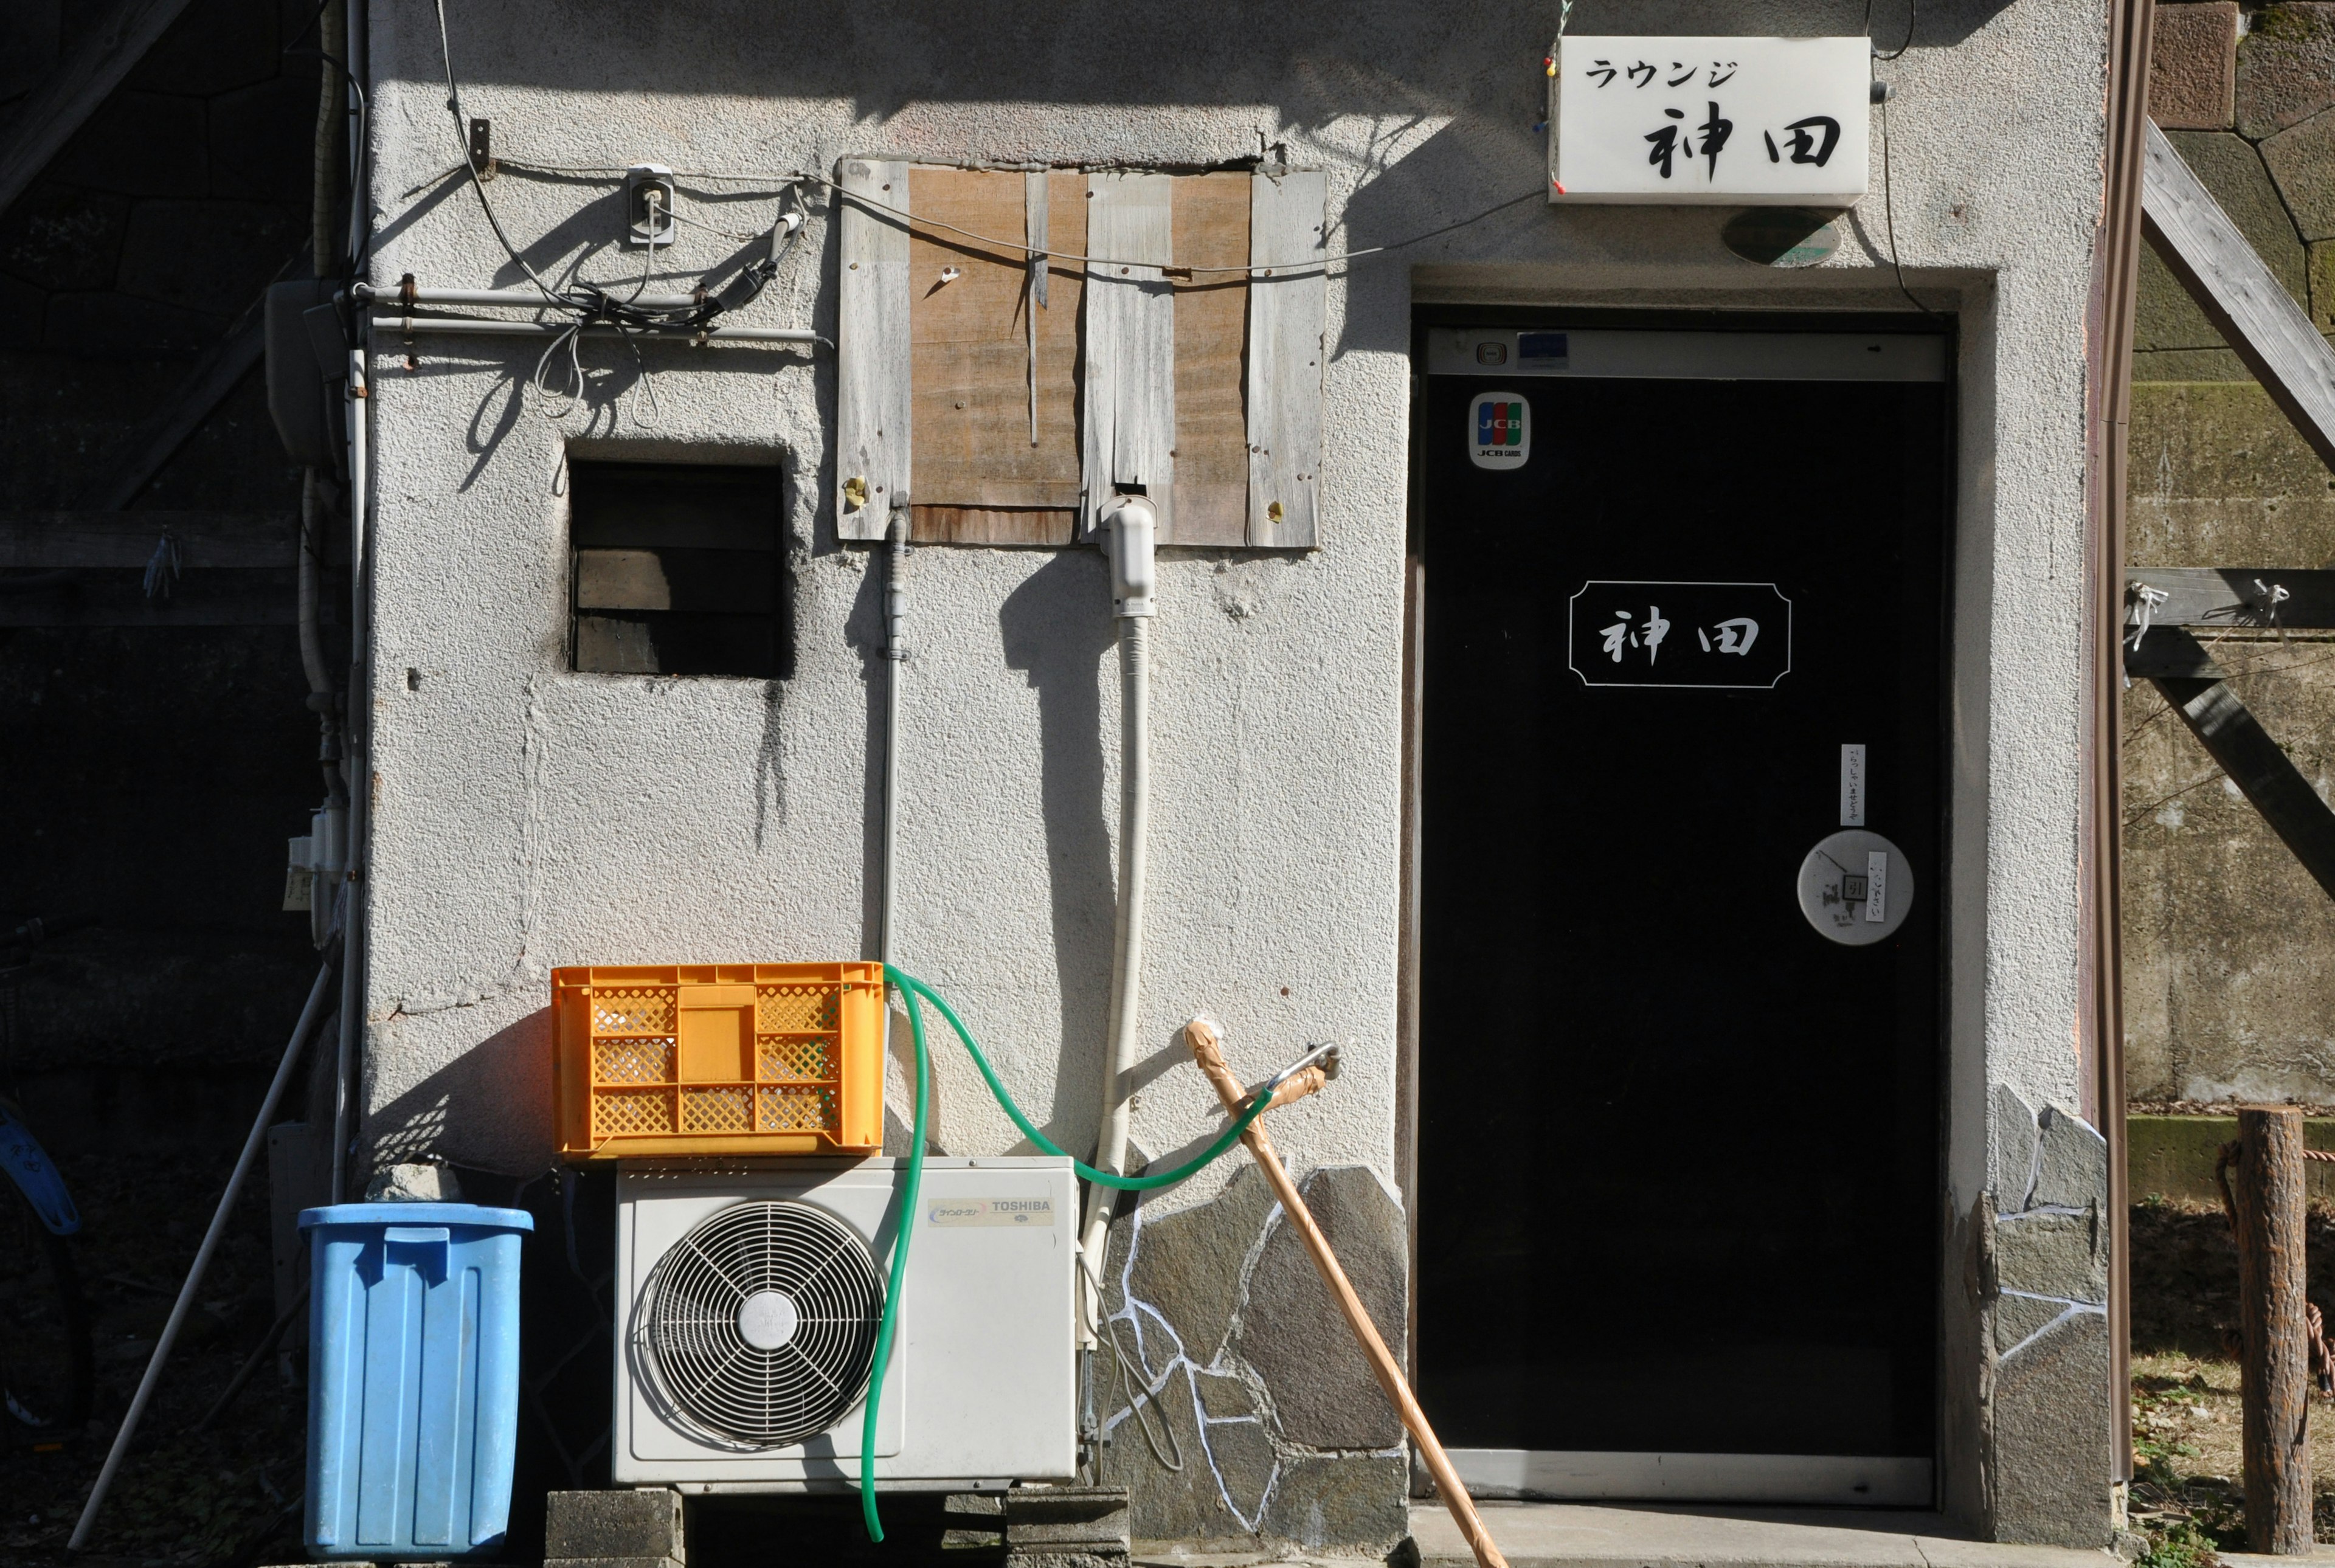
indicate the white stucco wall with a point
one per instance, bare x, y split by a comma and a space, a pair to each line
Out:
526, 816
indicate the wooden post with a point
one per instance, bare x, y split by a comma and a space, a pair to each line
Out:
2267, 1207
1208, 1051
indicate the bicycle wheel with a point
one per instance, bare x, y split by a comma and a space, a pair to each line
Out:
47, 1363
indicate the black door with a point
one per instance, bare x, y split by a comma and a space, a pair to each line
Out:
1678, 1153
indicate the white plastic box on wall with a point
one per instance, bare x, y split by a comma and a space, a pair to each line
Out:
1733, 121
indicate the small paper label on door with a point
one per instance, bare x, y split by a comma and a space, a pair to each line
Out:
1038, 1214
1877, 886
1852, 785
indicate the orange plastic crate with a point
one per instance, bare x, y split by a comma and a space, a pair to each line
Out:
719, 1058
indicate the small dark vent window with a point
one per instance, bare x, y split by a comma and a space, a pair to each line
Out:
678, 570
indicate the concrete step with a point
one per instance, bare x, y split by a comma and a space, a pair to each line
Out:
1603, 1535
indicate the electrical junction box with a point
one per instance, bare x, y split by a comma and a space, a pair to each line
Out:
1730, 121
748, 1300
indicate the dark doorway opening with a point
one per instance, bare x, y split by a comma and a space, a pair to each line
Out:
1677, 1147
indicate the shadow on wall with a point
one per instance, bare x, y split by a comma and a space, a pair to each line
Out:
510, 1069
1103, 51
1057, 630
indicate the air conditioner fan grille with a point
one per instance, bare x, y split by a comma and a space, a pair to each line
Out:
761, 1322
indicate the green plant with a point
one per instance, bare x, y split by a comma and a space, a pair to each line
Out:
2179, 1544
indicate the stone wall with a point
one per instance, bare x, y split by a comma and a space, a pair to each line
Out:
154, 772
2226, 938
1237, 1365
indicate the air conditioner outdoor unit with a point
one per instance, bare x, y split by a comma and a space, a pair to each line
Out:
748, 1300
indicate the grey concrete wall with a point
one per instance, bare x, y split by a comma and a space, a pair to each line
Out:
2226, 939
529, 816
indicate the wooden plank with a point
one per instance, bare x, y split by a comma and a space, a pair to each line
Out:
2238, 295
233, 596
1288, 311
2237, 597
1041, 525
874, 427
157, 438
970, 345
1129, 428
2170, 651
1211, 332
52, 541
2254, 761
731, 582
44, 125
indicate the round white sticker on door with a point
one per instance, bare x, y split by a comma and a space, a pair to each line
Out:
1499, 431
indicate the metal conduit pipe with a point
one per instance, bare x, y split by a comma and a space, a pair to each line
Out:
312, 641
1133, 525
518, 298
480, 327
356, 764
331, 107
203, 1253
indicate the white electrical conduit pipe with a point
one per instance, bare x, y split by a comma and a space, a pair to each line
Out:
480, 327
300, 1031
385, 299
1133, 526
896, 653
356, 741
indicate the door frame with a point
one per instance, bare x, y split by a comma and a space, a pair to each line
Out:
1947, 1482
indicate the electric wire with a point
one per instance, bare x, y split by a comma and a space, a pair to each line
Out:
1889, 215
1912, 8
1021, 248
455, 109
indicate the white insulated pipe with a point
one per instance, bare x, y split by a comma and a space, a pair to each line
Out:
1133, 526
896, 655
356, 742
385, 299
461, 326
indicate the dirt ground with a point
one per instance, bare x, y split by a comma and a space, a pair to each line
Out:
223, 1499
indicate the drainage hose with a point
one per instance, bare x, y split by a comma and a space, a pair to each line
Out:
914, 990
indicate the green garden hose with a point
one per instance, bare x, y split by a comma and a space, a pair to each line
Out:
913, 988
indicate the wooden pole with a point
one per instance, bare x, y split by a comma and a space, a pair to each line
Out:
2267, 1209
1201, 1036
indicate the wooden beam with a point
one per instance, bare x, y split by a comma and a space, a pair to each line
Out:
2235, 740
47, 123
234, 596
2238, 295
157, 439
54, 541
2268, 1216
2239, 596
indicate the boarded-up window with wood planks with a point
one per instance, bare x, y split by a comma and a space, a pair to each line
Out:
1007, 398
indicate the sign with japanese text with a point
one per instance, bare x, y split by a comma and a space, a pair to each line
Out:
1717, 635
1739, 121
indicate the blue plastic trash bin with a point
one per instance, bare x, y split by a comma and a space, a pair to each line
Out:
413, 1379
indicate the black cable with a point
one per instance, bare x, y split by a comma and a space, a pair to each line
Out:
1912, 6
352, 264
462, 140
1889, 215
313, 17
588, 302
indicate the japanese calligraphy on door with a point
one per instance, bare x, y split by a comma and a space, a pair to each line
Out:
1738, 121
1716, 635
